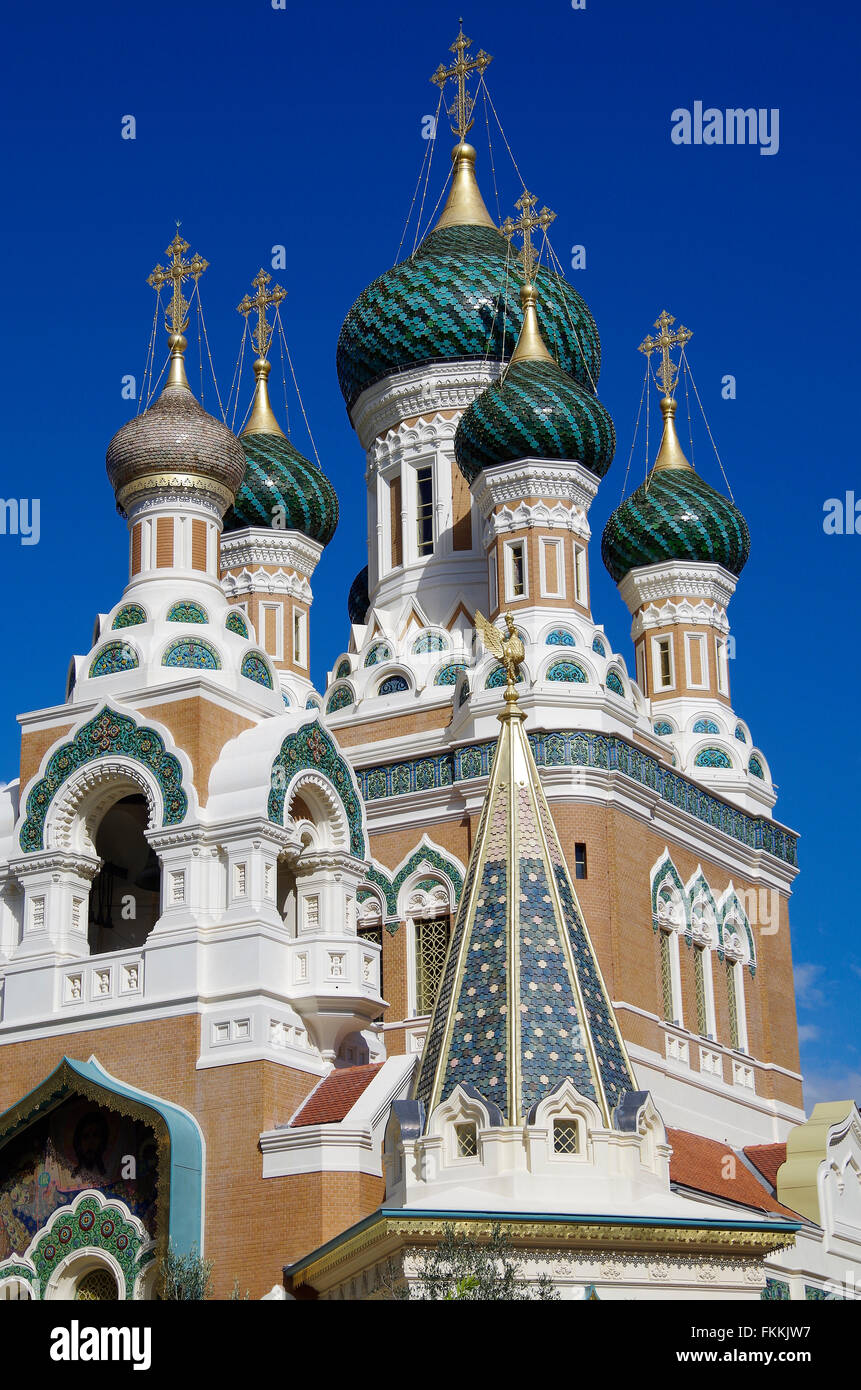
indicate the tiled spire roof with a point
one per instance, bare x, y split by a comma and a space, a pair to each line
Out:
522, 1004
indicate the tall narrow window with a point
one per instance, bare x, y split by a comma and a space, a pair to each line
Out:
395, 522
579, 860
666, 976
722, 672
697, 661
432, 935
492, 584
641, 669
424, 510
515, 577
580, 574
662, 662
300, 655
700, 986
735, 1003
373, 932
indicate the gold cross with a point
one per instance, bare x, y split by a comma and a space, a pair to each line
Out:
176, 314
262, 300
667, 373
462, 108
526, 224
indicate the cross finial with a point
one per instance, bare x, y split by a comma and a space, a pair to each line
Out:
667, 372
179, 269
526, 223
261, 301
462, 107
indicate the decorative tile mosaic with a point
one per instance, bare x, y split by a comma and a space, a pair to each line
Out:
192, 653
675, 515
464, 694
662, 727
393, 685
497, 678
380, 651
339, 699
614, 682
235, 622
560, 637
429, 642
113, 657
343, 669
566, 671
755, 766
535, 411
449, 674
311, 703
740, 734
89, 1224
578, 748
187, 612
712, 757
312, 747
130, 615
423, 857
108, 733
706, 726
458, 297
283, 489
254, 668
598, 646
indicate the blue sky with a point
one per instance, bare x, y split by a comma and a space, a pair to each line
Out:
303, 127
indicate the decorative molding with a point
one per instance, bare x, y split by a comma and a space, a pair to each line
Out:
422, 391
672, 613
256, 546
511, 482
525, 517
311, 748
578, 748
677, 579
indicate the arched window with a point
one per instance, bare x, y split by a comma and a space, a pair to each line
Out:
671, 994
97, 1286
428, 912
126, 892
704, 933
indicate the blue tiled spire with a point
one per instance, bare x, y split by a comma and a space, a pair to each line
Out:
522, 1004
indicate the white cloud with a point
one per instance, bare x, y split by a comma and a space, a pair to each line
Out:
839, 1084
807, 1032
807, 991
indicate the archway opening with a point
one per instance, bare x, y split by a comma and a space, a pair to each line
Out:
126, 892
98, 1285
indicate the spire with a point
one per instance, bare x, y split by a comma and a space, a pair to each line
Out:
670, 454
522, 1004
530, 345
262, 420
464, 205
176, 313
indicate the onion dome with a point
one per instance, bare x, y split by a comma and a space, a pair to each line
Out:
359, 600
536, 411
175, 440
280, 487
456, 298
674, 515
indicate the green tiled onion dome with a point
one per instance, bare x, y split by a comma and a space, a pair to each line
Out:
277, 475
536, 411
674, 515
456, 299
358, 600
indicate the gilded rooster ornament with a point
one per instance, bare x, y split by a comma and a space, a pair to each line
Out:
509, 650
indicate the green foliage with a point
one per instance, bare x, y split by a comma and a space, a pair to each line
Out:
235, 1295
185, 1278
461, 1268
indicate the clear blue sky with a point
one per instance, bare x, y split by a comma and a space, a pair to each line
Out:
303, 127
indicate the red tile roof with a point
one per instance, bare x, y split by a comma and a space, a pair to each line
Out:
767, 1158
704, 1165
335, 1096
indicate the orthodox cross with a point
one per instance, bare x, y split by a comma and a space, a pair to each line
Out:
667, 373
261, 301
179, 269
526, 223
463, 105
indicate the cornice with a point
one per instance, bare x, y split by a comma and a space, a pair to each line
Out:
677, 579
419, 391
511, 482
683, 612
269, 546
526, 517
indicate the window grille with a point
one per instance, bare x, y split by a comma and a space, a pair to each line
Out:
432, 936
666, 976
565, 1136
732, 1001
467, 1141
700, 984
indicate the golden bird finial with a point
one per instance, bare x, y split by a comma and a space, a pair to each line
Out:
508, 650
